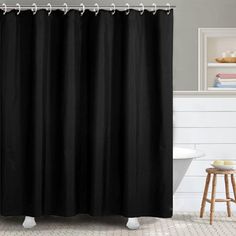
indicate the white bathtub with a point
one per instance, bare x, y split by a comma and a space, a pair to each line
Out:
182, 158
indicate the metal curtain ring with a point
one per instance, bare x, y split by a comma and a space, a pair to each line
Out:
49, 8
34, 8
65, 8
113, 9
168, 8
127, 10
96, 9
83, 9
5, 8
142, 8
155, 9
18, 8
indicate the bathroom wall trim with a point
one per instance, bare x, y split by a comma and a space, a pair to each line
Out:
195, 93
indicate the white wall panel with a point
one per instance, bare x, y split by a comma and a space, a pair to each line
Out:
204, 119
204, 135
196, 185
220, 104
198, 167
192, 202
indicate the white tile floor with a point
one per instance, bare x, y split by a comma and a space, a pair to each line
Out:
182, 224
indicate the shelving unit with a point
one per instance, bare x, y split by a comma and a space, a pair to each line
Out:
211, 43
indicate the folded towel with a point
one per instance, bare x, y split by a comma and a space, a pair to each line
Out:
219, 85
227, 83
226, 76
226, 80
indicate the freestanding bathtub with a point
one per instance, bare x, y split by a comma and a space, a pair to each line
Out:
182, 158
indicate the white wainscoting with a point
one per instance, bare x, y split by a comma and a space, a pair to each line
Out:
207, 124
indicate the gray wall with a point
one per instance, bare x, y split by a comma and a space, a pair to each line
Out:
189, 15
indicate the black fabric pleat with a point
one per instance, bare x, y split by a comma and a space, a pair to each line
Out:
86, 113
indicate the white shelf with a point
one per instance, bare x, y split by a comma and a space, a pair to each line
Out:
212, 42
221, 89
215, 64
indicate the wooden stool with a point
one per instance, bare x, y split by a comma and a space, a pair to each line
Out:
212, 201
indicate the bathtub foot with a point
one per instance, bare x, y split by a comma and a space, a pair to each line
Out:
133, 223
29, 222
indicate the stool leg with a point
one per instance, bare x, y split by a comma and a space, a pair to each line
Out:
233, 185
205, 195
227, 195
213, 199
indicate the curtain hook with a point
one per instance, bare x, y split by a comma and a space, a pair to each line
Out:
113, 8
142, 8
49, 8
19, 8
65, 8
5, 8
127, 9
34, 8
155, 8
83, 9
168, 8
96, 9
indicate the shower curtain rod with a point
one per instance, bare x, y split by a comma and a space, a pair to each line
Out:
112, 6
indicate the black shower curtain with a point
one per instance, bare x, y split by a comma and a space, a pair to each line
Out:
86, 113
